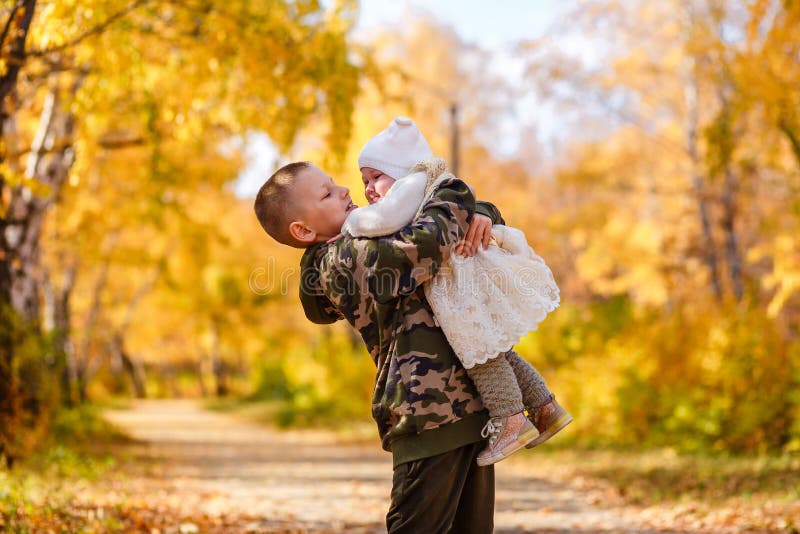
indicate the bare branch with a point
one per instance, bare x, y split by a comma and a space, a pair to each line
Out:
45, 123
112, 143
17, 54
8, 23
137, 297
783, 124
91, 31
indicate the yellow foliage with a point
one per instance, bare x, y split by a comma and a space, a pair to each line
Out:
642, 350
784, 279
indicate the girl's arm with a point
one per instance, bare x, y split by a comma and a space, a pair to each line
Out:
397, 265
393, 212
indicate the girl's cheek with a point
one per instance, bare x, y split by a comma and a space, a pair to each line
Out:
382, 189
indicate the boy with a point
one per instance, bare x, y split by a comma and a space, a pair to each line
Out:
397, 166
426, 408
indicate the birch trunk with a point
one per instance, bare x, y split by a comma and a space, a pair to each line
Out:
698, 186
13, 40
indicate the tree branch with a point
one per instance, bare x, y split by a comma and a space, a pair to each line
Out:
17, 53
91, 31
107, 143
121, 142
45, 123
8, 22
793, 139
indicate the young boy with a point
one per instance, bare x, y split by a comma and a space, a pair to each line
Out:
426, 408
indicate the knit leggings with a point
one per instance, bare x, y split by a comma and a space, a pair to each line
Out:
508, 383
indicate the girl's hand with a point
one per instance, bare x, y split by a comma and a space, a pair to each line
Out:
334, 238
478, 234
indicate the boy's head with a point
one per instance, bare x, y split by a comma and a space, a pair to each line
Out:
300, 205
396, 149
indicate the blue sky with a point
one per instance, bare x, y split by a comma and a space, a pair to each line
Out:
492, 25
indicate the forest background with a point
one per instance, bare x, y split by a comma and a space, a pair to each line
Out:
667, 205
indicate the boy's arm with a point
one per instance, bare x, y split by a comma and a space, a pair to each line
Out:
490, 210
398, 264
316, 305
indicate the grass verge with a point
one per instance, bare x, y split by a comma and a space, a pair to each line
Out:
691, 491
38, 494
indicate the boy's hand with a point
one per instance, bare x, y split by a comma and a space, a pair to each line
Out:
334, 238
478, 234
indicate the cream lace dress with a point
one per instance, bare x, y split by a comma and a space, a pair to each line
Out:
484, 304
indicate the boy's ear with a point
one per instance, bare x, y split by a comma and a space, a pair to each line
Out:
301, 231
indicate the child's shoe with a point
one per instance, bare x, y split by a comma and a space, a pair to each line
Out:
548, 419
506, 436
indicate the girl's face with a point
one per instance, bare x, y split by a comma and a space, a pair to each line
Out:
376, 184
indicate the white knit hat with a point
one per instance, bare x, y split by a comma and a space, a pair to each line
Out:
396, 149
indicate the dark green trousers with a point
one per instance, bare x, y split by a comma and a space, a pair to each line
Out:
443, 493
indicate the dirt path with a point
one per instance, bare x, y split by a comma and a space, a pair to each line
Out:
201, 463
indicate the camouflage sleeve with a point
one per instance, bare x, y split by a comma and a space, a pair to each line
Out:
490, 210
316, 305
398, 264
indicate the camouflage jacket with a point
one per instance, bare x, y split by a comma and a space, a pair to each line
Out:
423, 402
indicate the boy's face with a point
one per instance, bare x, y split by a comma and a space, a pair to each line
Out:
323, 206
376, 184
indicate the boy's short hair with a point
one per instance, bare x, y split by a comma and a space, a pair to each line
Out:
275, 205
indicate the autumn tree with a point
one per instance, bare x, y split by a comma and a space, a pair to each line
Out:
151, 80
676, 167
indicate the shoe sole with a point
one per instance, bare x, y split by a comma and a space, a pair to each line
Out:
559, 424
520, 443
